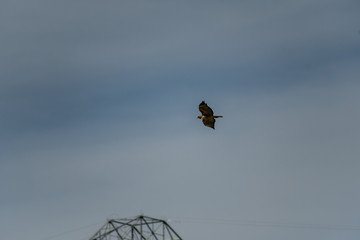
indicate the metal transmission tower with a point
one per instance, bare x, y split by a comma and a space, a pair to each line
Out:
136, 228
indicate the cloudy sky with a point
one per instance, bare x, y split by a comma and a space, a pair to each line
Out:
98, 103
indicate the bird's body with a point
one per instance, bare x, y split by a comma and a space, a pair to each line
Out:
207, 117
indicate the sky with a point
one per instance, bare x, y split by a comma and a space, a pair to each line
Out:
99, 99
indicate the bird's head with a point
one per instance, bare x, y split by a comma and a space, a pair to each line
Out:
199, 117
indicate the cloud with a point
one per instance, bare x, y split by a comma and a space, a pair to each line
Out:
99, 104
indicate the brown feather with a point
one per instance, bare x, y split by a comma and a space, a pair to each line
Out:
207, 116
209, 122
205, 109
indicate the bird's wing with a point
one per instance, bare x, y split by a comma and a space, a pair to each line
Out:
205, 109
209, 122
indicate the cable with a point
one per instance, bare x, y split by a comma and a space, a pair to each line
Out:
70, 231
236, 222
266, 223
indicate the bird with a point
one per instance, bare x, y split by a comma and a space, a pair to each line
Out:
207, 115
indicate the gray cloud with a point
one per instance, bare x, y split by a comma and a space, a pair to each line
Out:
99, 103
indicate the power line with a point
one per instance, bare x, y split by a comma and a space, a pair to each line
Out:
237, 222
277, 224
69, 231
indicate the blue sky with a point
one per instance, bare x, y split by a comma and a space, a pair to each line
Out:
99, 100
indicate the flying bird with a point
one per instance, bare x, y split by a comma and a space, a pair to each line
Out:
207, 115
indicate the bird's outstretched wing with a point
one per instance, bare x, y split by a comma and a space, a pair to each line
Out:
209, 122
205, 109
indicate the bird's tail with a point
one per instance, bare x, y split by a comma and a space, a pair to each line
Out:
218, 116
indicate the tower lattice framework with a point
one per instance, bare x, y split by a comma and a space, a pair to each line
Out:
136, 228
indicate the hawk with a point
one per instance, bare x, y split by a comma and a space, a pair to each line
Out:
207, 117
